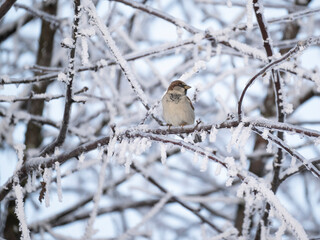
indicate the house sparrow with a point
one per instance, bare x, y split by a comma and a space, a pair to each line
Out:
177, 107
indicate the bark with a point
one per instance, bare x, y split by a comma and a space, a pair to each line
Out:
268, 110
33, 133
33, 137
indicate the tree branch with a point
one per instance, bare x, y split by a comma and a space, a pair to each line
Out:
70, 75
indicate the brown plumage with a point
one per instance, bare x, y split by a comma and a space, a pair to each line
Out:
177, 107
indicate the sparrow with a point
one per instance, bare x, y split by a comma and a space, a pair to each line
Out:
177, 107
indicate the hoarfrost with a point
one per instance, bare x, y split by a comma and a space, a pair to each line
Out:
163, 152
232, 170
47, 179
62, 77
269, 147
68, 42
288, 108
204, 164
208, 51
81, 160
85, 52
123, 149
203, 135
199, 65
59, 189
19, 210
218, 170
89, 231
19, 148
265, 133
213, 134
249, 8
29, 184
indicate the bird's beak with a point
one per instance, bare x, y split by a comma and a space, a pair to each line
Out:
186, 87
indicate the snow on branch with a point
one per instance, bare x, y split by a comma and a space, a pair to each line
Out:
301, 46
23, 227
154, 134
121, 61
70, 76
41, 14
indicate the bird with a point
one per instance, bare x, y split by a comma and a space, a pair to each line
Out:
177, 107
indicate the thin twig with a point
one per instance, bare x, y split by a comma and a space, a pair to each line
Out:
176, 199
70, 75
40, 14
302, 45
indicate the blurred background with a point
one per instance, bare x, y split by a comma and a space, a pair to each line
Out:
54, 64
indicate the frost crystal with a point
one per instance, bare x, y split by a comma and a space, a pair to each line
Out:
20, 148
122, 153
81, 160
59, 189
208, 51
204, 164
218, 170
84, 53
68, 42
213, 134
232, 170
249, 14
47, 179
199, 65
288, 108
265, 133
163, 151
19, 210
203, 135
62, 77
29, 184
269, 147
235, 137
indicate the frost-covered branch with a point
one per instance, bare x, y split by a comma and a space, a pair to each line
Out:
156, 135
70, 77
40, 14
301, 46
280, 143
33, 97
159, 14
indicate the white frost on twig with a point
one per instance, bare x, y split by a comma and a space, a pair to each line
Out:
199, 65
131, 232
213, 134
67, 42
89, 231
19, 148
163, 153
204, 164
47, 179
19, 210
91, 10
59, 189
249, 8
